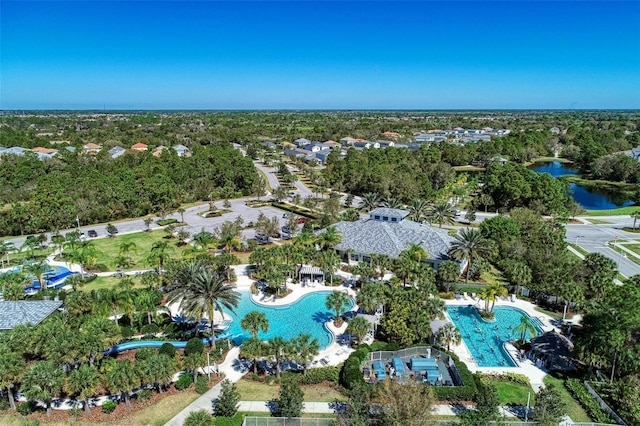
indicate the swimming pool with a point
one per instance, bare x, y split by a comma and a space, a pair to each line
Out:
307, 315
484, 339
53, 278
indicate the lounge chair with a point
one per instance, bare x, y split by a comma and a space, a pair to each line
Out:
464, 295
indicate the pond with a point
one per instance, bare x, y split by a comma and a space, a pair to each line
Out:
588, 198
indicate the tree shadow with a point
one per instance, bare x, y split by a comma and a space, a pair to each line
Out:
322, 317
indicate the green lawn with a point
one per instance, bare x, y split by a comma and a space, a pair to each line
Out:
109, 248
514, 393
633, 247
255, 391
578, 249
574, 409
618, 250
107, 282
622, 211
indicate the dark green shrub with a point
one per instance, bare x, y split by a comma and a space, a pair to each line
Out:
4, 404
168, 349
184, 381
126, 331
585, 399
144, 353
194, 346
199, 418
31, 423
109, 407
229, 421
26, 408
149, 329
164, 222
466, 392
202, 384
315, 376
144, 395
351, 375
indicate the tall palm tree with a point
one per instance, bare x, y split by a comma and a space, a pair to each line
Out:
415, 252
254, 322
370, 201
160, 253
278, 350
441, 213
490, 294
126, 248
525, 327
305, 349
449, 334
43, 381
201, 291
330, 237
470, 245
84, 382
12, 367
329, 261
418, 209
158, 370
337, 301
39, 270
253, 348
370, 297
122, 378
358, 327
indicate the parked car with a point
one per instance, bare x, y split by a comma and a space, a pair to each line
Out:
92, 233
456, 212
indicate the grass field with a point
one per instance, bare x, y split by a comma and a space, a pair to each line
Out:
513, 393
255, 391
622, 253
574, 409
109, 248
622, 211
633, 247
578, 249
108, 282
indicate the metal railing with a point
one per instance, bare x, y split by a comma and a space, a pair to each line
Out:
286, 421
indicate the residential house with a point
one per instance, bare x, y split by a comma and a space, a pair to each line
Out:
424, 137
499, 160
392, 135
91, 148
158, 151
388, 231
316, 147
269, 145
332, 145
386, 144
347, 141
117, 151
635, 153
554, 130
15, 150
301, 142
70, 148
140, 147
45, 153
22, 312
182, 150
323, 155
302, 153
366, 145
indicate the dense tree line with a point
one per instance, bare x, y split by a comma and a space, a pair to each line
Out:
48, 195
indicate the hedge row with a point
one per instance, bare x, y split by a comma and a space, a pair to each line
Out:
466, 392
587, 401
314, 376
164, 222
295, 210
351, 376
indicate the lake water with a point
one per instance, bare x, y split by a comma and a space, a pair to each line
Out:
588, 198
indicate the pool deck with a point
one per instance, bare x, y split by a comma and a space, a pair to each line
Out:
526, 367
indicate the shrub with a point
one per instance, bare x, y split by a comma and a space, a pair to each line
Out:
315, 376
4, 404
585, 399
144, 353
164, 222
168, 349
184, 381
466, 392
109, 407
144, 395
202, 384
149, 329
351, 375
26, 408
126, 331
199, 418
194, 346
229, 421
227, 404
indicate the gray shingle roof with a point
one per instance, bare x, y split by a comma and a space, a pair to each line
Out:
14, 313
373, 236
384, 211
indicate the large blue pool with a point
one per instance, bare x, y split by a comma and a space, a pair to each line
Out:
52, 278
307, 315
484, 339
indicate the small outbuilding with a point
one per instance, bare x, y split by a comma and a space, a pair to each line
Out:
552, 350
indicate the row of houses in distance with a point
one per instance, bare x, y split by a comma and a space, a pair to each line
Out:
94, 149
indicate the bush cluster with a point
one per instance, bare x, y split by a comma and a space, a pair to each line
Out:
295, 210
26, 408
4, 404
585, 399
466, 392
184, 381
164, 222
168, 349
202, 384
520, 379
143, 395
109, 407
149, 329
351, 375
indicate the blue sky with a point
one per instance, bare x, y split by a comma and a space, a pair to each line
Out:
319, 55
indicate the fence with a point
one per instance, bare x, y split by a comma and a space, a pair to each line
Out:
604, 405
286, 421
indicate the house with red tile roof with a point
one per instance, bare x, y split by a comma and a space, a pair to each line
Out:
92, 148
140, 147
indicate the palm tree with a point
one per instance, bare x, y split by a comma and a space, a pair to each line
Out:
254, 322
158, 370
305, 349
253, 348
370, 297
84, 382
122, 378
635, 216
160, 252
201, 291
525, 326
330, 237
43, 381
337, 301
193, 362
370, 201
418, 209
330, 261
470, 245
147, 223
278, 350
126, 248
448, 273
391, 203
358, 327
442, 213
181, 211
12, 367
490, 294
415, 252
449, 334
39, 270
